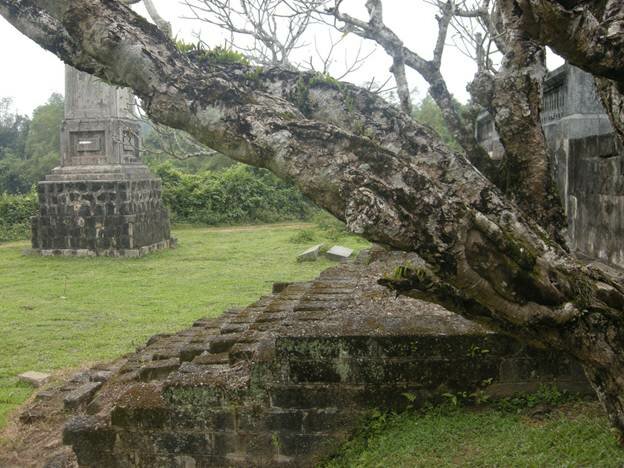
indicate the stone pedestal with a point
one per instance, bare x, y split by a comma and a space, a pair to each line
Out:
101, 200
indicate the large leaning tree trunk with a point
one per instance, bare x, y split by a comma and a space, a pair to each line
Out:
369, 164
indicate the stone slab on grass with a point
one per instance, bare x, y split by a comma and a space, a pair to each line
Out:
311, 254
339, 253
36, 379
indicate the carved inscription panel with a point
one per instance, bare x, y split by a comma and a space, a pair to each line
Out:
87, 148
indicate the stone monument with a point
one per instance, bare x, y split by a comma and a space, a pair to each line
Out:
101, 200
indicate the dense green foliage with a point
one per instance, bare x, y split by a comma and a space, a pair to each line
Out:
238, 194
29, 148
15, 213
65, 312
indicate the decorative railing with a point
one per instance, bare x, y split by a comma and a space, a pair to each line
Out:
554, 101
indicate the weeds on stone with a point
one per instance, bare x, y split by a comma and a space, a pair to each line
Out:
548, 395
203, 54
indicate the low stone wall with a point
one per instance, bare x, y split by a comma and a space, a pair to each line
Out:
595, 202
100, 218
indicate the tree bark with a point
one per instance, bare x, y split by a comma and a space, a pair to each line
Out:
516, 103
369, 164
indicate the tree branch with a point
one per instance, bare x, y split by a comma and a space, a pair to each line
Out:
377, 31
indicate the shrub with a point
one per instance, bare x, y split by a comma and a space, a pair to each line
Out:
302, 236
15, 213
239, 194
332, 228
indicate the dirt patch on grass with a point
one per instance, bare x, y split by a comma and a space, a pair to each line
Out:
33, 436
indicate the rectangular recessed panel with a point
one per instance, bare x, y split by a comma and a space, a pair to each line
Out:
87, 143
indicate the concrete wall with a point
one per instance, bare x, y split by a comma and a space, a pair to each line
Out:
586, 163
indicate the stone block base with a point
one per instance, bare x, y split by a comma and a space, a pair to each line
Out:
129, 253
89, 218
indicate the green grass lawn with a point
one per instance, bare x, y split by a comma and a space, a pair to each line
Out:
572, 435
60, 313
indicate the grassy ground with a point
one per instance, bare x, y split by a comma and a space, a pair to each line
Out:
573, 434
63, 312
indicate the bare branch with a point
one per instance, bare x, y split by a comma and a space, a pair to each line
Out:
164, 25
377, 31
274, 27
447, 10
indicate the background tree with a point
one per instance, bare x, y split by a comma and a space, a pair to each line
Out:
270, 32
13, 130
29, 149
427, 112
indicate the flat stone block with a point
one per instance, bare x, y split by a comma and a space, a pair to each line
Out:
36, 379
339, 253
311, 254
221, 344
32, 415
189, 352
209, 358
101, 376
158, 369
45, 395
82, 394
279, 286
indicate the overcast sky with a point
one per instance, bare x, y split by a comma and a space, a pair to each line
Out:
30, 74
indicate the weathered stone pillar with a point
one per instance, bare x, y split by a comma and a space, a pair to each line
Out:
101, 200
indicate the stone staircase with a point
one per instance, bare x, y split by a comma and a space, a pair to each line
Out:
285, 380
